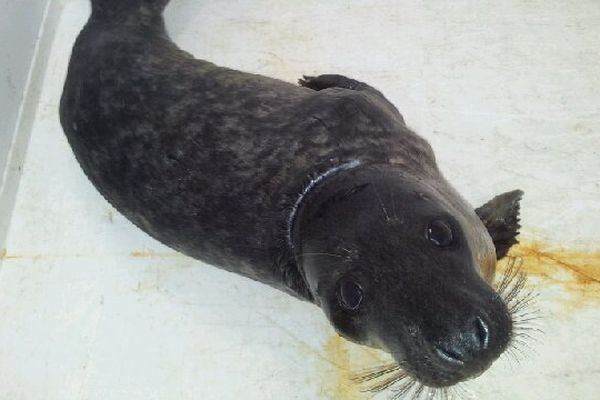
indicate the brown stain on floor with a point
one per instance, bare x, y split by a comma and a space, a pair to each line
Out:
4, 255
339, 385
575, 273
146, 254
351, 358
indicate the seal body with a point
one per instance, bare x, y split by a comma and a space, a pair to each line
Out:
210, 160
320, 190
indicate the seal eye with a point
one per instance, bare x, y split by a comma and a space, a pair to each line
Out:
350, 295
439, 233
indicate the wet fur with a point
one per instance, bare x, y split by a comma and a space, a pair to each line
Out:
222, 165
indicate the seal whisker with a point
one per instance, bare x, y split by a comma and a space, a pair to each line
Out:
528, 309
387, 383
522, 341
430, 393
519, 284
394, 214
512, 276
511, 356
512, 288
404, 389
443, 392
516, 309
524, 322
389, 375
520, 300
375, 373
456, 392
529, 293
418, 391
517, 354
519, 347
385, 212
462, 392
439, 393
349, 250
526, 317
530, 335
507, 276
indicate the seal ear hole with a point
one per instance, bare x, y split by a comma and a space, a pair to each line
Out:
350, 295
439, 232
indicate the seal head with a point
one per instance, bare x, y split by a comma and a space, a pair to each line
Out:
405, 265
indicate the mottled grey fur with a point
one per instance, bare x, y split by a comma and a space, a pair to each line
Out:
319, 190
210, 160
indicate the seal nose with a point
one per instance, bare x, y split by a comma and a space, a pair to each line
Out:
483, 332
466, 345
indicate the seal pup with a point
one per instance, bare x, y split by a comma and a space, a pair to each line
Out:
318, 189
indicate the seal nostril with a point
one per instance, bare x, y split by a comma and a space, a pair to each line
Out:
483, 332
449, 355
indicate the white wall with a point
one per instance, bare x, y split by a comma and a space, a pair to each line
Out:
20, 27
20, 22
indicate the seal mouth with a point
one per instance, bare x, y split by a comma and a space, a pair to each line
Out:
449, 365
449, 356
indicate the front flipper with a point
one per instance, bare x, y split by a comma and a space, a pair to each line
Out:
332, 80
501, 218
328, 81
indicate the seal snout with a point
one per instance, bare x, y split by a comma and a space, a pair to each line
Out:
465, 350
464, 347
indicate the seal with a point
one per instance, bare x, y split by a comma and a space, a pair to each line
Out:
317, 189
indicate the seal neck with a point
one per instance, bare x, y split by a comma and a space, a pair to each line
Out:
308, 188
314, 181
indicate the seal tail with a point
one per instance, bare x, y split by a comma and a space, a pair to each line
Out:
142, 9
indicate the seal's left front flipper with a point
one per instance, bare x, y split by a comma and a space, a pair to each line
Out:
333, 80
328, 81
501, 218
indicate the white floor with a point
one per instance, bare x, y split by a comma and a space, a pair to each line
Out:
507, 92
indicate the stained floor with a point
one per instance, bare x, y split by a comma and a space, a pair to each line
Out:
508, 93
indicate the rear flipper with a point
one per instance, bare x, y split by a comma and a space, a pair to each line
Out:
501, 218
327, 81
